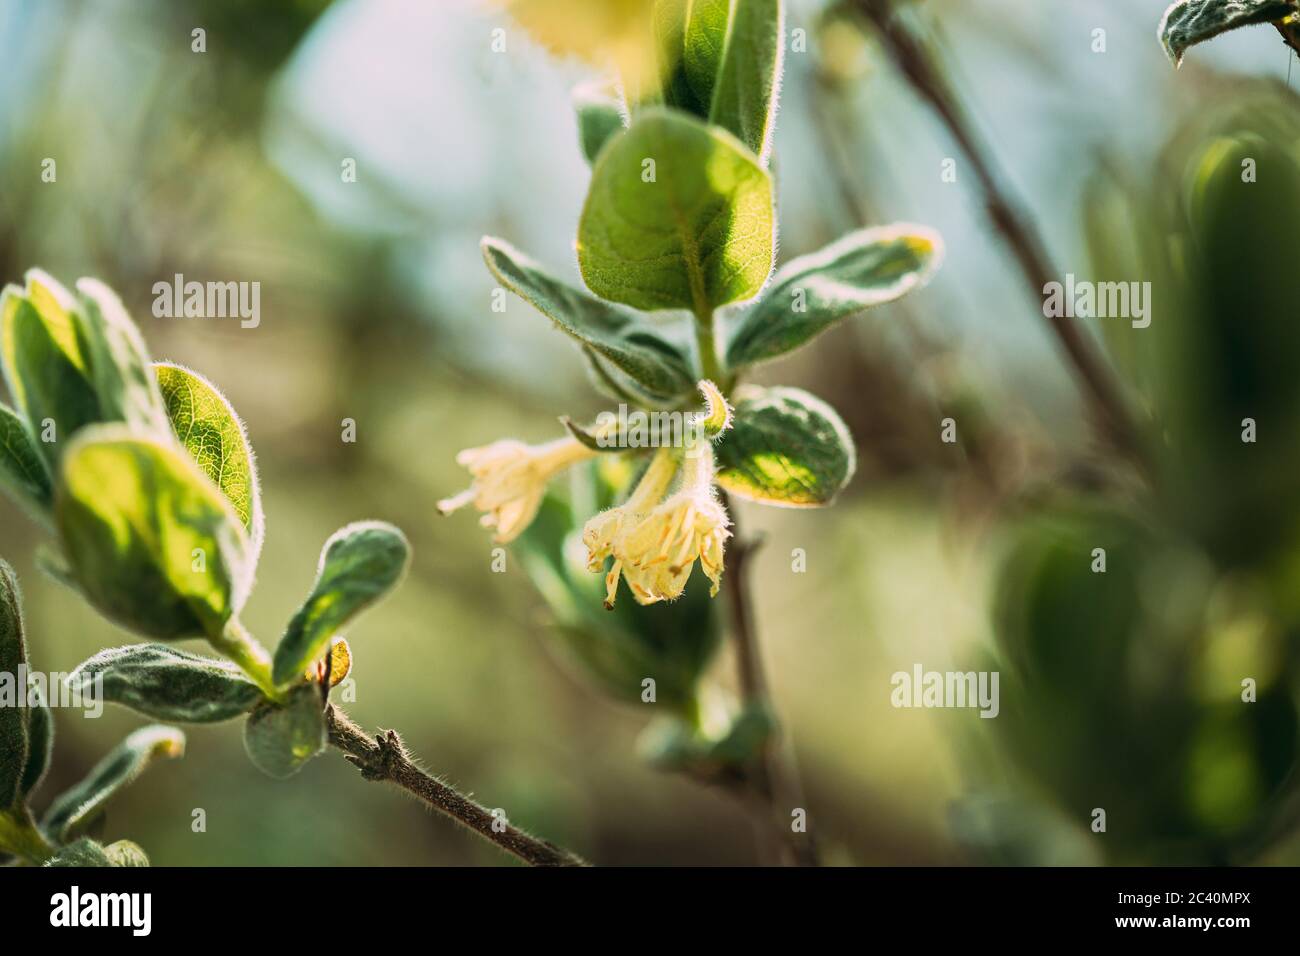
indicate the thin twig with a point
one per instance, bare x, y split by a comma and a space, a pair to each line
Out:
773, 782
383, 757
917, 65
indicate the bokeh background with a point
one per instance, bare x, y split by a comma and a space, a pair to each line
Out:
225, 165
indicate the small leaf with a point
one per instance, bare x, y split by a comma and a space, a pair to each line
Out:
785, 447
118, 359
1190, 22
749, 75
14, 720
810, 294
212, 433
47, 374
280, 738
340, 661
125, 853
679, 216
166, 684
691, 39
83, 853
359, 565
22, 470
151, 541
599, 109
128, 760
626, 340
40, 746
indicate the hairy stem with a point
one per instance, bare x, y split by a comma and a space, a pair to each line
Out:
236, 643
383, 757
918, 66
774, 784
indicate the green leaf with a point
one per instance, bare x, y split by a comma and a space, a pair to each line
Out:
166, 684
212, 433
280, 738
812, 293
359, 565
125, 853
674, 744
83, 853
40, 747
128, 760
785, 447
626, 340
14, 720
749, 75
47, 374
1190, 22
118, 359
150, 540
599, 109
695, 233
22, 470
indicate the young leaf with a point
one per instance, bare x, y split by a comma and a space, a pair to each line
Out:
1189, 22
40, 746
212, 433
679, 216
22, 471
14, 720
128, 760
785, 447
44, 368
749, 75
118, 359
166, 684
617, 335
151, 541
81, 853
810, 294
280, 738
599, 108
125, 853
359, 565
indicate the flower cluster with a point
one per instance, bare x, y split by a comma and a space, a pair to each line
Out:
671, 519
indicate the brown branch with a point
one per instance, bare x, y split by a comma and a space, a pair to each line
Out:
383, 757
917, 65
773, 784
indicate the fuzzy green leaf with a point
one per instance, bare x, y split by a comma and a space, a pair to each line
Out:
280, 738
679, 216
599, 109
749, 74
626, 340
47, 374
150, 540
785, 447
359, 565
213, 434
1190, 22
810, 294
118, 359
22, 470
166, 684
14, 720
81, 853
40, 746
128, 760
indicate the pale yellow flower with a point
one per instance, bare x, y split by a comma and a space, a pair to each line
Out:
655, 543
510, 480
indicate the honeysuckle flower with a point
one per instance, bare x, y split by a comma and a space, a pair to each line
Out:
510, 480
655, 543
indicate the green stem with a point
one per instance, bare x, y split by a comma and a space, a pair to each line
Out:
21, 836
710, 367
236, 643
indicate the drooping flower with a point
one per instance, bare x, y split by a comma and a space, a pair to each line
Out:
655, 541
510, 480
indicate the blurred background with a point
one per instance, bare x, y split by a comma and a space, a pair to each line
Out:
376, 306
